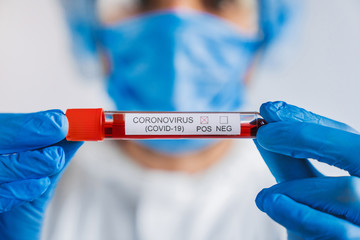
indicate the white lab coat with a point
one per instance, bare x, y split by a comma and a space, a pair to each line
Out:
105, 195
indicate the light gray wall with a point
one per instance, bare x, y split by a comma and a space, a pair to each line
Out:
37, 71
321, 71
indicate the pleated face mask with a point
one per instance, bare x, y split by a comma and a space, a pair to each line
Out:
177, 61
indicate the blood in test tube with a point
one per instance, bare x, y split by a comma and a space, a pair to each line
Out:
97, 125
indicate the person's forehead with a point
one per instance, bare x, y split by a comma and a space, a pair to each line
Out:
128, 4
139, 1
244, 13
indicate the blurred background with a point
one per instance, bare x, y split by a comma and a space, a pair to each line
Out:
319, 69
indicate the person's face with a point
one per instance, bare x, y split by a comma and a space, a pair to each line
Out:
167, 58
242, 13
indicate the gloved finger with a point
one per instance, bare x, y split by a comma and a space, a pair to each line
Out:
307, 140
282, 167
31, 164
28, 131
281, 111
10, 204
304, 220
285, 168
13, 193
338, 196
69, 148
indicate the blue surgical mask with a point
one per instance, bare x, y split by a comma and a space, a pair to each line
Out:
177, 61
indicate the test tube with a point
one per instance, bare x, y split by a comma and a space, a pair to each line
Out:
97, 125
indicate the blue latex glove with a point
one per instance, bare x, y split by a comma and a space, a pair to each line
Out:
308, 204
32, 159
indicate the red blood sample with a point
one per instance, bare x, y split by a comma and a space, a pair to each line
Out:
97, 125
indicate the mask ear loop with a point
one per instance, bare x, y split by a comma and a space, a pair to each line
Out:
105, 61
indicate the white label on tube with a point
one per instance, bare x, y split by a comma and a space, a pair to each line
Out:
182, 124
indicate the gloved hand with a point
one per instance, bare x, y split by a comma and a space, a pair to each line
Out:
308, 204
32, 159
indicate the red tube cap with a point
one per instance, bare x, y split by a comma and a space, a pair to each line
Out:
85, 124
